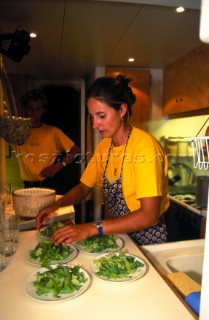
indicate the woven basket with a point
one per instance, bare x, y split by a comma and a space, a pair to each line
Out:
27, 202
15, 130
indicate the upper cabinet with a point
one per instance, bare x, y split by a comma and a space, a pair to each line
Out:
186, 83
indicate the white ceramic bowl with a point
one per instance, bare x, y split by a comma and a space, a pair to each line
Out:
27, 202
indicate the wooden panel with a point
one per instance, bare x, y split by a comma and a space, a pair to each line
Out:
186, 83
140, 85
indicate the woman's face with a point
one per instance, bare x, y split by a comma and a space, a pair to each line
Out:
105, 119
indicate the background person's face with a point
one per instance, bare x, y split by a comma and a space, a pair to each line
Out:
35, 111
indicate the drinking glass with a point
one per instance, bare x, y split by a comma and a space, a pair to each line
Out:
10, 231
16, 223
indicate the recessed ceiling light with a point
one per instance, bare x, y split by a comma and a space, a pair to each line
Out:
131, 59
180, 9
33, 35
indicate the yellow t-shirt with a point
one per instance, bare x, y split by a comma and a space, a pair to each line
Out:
40, 151
144, 172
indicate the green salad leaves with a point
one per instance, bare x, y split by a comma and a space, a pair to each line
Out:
115, 266
46, 252
48, 231
60, 280
97, 244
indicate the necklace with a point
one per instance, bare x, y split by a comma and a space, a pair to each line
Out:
120, 153
117, 157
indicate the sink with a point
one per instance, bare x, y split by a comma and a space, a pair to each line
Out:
189, 264
180, 256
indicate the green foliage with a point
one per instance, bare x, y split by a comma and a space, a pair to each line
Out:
60, 280
97, 244
46, 252
48, 231
116, 266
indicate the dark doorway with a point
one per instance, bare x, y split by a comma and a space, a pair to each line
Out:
63, 111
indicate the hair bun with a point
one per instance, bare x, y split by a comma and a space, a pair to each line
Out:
123, 80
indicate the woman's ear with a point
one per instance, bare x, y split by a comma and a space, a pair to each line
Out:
123, 109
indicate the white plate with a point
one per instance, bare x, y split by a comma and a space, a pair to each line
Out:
69, 258
31, 290
132, 277
119, 242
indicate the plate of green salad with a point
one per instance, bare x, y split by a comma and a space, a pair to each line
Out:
47, 232
118, 267
101, 244
46, 252
57, 283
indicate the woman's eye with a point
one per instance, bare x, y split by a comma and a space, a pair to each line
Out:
101, 116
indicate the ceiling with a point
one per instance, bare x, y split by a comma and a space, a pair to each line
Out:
76, 36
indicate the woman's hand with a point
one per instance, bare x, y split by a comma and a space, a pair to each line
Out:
72, 197
69, 234
44, 215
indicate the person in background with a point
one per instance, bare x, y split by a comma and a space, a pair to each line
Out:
131, 166
46, 151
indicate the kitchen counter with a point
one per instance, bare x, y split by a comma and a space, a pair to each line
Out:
147, 298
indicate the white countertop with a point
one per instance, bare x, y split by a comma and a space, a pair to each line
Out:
146, 298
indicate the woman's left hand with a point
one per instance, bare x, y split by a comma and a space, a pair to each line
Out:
69, 234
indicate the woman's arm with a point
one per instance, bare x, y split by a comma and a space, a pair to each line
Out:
72, 197
146, 216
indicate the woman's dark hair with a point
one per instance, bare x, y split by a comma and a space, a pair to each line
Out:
113, 91
33, 95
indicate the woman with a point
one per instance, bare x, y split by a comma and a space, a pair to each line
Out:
129, 163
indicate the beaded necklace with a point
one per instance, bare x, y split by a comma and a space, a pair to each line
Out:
110, 150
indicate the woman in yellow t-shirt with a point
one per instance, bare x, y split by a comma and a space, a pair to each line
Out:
128, 163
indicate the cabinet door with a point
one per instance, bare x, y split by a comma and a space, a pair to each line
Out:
186, 83
140, 85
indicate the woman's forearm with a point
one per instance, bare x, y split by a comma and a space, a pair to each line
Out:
74, 196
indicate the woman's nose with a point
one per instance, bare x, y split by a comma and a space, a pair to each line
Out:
95, 123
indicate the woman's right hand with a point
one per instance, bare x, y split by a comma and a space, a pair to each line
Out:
74, 196
44, 215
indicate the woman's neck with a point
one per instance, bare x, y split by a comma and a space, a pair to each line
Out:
121, 136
